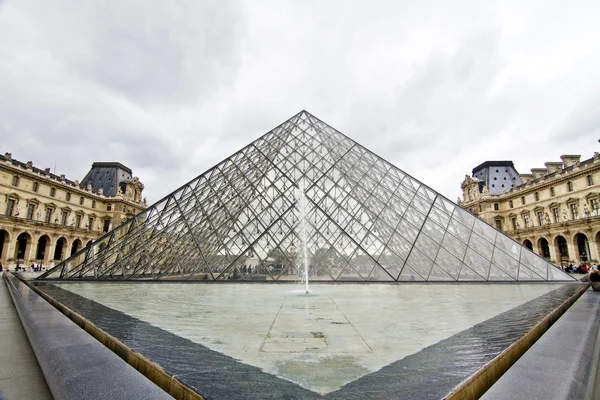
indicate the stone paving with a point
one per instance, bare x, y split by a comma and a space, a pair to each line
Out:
20, 374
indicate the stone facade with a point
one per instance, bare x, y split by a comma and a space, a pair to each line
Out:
555, 211
45, 218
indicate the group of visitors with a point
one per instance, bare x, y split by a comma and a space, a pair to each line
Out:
35, 267
581, 268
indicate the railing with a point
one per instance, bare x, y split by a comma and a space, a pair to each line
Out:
554, 224
52, 225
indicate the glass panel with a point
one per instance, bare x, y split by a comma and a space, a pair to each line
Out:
450, 264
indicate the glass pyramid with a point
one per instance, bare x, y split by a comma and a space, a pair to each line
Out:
305, 191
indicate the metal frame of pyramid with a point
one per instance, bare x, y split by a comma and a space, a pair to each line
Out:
364, 220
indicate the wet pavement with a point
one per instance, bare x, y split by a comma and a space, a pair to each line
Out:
20, 374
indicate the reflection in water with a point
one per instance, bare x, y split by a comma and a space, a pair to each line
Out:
352, 330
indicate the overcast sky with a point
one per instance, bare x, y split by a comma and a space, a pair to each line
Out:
170, 88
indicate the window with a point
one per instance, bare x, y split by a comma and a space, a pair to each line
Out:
552, 192
574, 211
52, 192
15, 181
48, 217
496, 207
68, 196
10, 206
514, 223
510, 204
540, 216
35, 186
78, 221
30, 210
63, 218
590, 180
106, 226
108, 207
523, 200
81, 201
93, 203
570, 186
91, 223
595, 205
499, 224
556, 215
537, 196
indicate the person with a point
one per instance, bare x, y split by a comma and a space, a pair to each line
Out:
594, 267
0, 266
569, 268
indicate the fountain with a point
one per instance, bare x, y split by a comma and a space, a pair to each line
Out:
304, 240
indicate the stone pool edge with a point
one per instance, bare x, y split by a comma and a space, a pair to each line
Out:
149, 369
477, 384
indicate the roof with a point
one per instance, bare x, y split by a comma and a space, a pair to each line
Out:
106, 176
493, 164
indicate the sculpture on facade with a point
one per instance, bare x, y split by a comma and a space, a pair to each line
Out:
564, 214
547, 219
586, 211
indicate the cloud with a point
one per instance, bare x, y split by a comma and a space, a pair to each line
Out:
169, 88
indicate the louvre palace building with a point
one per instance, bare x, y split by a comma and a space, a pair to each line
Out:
554, 211
46, 218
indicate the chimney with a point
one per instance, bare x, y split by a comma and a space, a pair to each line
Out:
553, 166
525, 178
538, 172
569, 160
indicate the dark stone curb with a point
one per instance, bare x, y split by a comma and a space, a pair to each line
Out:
75, 365
477, 384
563, 364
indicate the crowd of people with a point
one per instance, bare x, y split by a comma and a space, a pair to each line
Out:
582, 268
35, 267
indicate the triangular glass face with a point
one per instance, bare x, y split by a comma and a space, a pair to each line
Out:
306, 198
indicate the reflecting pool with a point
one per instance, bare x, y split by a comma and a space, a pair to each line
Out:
321, 342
